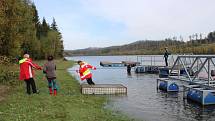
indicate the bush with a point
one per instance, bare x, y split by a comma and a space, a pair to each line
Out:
8, 70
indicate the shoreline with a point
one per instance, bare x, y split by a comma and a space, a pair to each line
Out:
68, 105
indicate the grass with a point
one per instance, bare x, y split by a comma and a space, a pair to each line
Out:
68, 105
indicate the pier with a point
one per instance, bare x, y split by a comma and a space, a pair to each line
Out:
196, 76
118, 64
151, 63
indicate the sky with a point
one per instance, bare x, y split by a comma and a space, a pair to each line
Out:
103, 23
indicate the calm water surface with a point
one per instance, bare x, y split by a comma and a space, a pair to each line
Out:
143, 100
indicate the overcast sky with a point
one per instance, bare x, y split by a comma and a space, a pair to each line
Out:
102, 23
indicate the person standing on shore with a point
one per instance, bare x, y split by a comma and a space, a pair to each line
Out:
166, 55
84, 71
27, 73
49, 69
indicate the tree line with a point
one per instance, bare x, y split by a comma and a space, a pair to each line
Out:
196, 45
21, 31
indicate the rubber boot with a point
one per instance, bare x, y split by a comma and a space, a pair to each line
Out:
55, 92
50, 91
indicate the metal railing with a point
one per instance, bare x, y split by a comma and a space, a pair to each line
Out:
154, 60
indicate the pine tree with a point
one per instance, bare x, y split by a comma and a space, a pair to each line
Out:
44, 28
36, 21
54, 25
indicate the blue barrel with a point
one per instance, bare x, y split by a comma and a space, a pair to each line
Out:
169, 88
173, 87
163, 72
163, 86
194, 96
209, 98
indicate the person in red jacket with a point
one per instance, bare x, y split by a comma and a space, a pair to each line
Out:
85, 73
27, 73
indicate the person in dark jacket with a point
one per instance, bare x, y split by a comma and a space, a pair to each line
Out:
166, 55
129, 69
49, 69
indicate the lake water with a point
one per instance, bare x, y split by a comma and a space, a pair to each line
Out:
143, 100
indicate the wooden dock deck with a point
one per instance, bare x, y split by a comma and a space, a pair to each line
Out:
103, 89
111, 64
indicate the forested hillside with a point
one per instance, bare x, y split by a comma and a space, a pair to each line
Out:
196, 45
22, 31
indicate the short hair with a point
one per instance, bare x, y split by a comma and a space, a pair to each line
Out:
26, 55
79, 61
50, 58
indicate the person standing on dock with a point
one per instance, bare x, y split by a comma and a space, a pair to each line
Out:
166, 55
129, 69
49, 69
26, 73
85, 73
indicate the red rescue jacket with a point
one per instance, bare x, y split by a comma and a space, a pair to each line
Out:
26, 70
84, 71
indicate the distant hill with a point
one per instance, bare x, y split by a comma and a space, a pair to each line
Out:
149, 47
138, 47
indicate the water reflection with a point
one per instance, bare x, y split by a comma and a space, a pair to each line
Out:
199, 112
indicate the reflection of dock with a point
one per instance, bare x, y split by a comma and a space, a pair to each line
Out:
196, 78
103, 89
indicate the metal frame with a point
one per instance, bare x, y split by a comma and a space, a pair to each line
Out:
200, 63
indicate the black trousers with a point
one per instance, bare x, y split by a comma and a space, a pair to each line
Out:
30, 84
166, 61
90, 81
129, 70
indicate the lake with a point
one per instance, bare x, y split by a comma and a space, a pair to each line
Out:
143, 100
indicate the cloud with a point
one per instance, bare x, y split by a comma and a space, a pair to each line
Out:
101, 23
156, 19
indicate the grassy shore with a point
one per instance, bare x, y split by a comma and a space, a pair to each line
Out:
68, 105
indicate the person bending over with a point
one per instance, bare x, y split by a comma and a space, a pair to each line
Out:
84, 71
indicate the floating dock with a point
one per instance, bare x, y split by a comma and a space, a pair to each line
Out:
202, 95
151, 64
196, 74
112, 64
103, 89
132, 63
118, 64
147, 69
